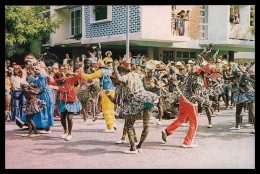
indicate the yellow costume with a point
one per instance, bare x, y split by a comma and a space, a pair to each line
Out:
107, 104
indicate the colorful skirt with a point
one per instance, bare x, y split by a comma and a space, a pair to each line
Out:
215, 90
241, 97
34, 107
70, 106
90, 93
140, 101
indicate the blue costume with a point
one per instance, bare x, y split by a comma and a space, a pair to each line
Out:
44, 118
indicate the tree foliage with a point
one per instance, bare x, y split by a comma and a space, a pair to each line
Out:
252, 19
23, 24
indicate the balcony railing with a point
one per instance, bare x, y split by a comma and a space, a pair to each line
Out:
240, 32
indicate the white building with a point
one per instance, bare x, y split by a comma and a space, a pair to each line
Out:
151, 30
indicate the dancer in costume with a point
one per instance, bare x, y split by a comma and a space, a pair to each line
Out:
69, 104
88, 92
44, 118
191, 96
244, 95
104, 75
32, 106
121, 97
138, 99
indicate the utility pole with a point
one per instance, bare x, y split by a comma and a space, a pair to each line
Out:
127, 35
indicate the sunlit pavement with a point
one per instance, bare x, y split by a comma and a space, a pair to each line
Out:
219, 147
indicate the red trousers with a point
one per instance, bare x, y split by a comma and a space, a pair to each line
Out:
186, 109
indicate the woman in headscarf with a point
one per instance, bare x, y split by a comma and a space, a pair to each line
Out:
43, 119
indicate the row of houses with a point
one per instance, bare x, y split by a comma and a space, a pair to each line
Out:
154, 30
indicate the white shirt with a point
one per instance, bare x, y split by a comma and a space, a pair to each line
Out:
133, 81
65, 61
16, 81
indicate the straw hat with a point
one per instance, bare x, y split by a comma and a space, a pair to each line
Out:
109, 53
190, 62
178, 63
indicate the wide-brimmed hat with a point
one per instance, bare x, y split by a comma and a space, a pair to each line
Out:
108, 52
190, 62
149, 70
178, 63
153, 64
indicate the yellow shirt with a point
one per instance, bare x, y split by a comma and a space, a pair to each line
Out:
95, 75
107, 59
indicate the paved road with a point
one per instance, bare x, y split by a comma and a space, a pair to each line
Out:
219, 147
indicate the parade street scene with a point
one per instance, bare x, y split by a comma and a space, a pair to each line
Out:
130, 87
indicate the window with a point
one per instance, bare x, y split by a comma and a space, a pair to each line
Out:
193, 55
100, 13
203, 22
234, 13
168, 55
186, 55
179, 54
75, 21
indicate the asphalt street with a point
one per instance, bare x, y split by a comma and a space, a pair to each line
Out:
90, 148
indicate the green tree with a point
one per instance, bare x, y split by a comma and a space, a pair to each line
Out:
252, 20
23, 25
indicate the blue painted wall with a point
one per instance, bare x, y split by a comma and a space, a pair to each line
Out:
118, 24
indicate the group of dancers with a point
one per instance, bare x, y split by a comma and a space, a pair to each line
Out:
109, 85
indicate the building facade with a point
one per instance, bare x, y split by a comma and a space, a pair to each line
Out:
161, 32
